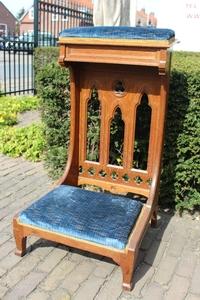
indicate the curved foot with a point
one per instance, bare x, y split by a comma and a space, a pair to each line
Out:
21, 245
127, 265
154, 221
20, 239
127, 286
20, 252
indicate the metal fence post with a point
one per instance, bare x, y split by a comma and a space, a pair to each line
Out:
36, 28
36, 19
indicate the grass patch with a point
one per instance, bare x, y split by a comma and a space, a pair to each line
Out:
27, 142
10, 106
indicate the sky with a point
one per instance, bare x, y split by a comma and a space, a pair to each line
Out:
15, 5
150, 5
181, 15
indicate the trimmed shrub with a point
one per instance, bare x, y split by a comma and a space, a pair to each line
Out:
181, 162
43, 56
53, 89
180, 185
187, 177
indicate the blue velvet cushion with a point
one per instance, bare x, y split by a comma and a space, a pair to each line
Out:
121, 32
97, 217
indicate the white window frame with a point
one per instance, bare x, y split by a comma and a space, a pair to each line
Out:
5, 31
65, 19
54, 17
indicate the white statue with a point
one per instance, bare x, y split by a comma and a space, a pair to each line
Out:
114, 12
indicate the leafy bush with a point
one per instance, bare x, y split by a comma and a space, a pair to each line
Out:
8, 118
53, 88
10, 106
187, 178
44, 55
181, 162
27, 142
188, 64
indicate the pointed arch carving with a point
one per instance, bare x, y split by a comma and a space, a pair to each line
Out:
142, 133
93, 126
117, 128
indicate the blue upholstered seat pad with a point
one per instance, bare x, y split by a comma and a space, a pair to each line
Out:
97, 217
119, 32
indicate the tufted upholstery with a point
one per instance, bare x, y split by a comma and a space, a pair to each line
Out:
121, 32
97, 217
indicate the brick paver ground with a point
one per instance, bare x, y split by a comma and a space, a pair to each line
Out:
28, 117
168, 264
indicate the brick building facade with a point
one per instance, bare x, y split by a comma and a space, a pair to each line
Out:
26, 22
145, 19
7, 21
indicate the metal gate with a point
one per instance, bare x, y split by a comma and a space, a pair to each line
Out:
17, 52
52, 16
16, 65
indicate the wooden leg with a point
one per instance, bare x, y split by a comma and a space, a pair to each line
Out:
19, 239
20, 246
127, 265
154, 218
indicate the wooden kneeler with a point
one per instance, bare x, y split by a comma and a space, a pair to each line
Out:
124, 67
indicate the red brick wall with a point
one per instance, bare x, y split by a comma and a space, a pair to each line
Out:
144, 19
141, 17
7, 18
26, 24
87, 3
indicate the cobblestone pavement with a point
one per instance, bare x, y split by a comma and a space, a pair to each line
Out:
28, 117
168, 264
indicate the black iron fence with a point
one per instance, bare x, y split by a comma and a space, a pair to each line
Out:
16, 65
17, 52
52, 16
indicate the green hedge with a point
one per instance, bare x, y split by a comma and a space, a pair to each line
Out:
44, 56
180, 181
181, 162
53, 89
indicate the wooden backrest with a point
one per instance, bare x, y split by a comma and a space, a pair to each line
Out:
128, 68
131, 94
